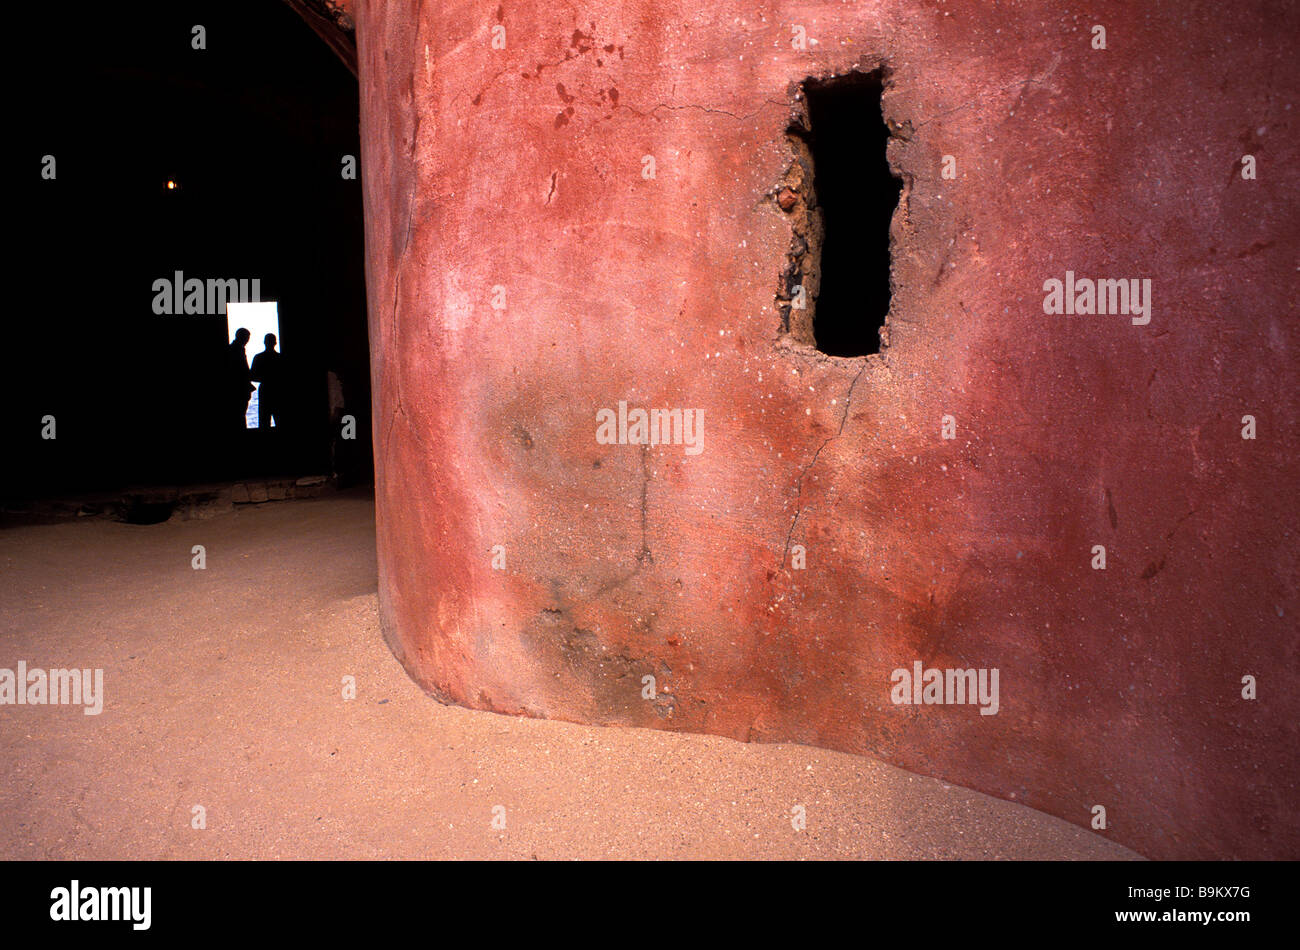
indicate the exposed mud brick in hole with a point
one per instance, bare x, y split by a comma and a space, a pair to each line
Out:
841, 252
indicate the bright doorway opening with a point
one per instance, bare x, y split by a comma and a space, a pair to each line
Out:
258, 319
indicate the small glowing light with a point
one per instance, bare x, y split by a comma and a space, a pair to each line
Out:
171, 185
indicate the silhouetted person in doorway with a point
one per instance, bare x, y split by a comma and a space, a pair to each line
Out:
269, 373
238, 381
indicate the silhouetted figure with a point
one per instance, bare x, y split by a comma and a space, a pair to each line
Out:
238, 381
269, 373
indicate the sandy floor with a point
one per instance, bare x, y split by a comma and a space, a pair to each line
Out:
223, 690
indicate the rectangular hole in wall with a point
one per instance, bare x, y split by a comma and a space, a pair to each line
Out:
855, 194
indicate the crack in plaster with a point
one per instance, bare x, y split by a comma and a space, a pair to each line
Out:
848, 398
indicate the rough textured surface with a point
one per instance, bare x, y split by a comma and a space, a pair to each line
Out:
515, 175
222, 688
